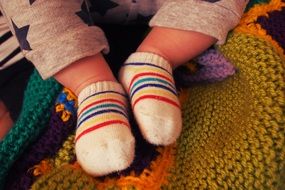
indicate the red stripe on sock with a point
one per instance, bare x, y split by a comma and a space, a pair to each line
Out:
160, 98
98, 102
145, 74
93, 128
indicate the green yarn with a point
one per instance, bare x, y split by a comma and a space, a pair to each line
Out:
234, 130
38, 98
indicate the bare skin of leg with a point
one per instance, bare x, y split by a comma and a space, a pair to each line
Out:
84, 72
6, 122
176, 46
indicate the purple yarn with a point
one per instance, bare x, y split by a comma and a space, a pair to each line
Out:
274, 25
47, 146
214, 67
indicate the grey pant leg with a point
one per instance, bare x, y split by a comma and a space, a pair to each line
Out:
214, 18
51, 34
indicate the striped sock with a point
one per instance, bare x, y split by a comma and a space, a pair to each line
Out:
148, 80
103, 142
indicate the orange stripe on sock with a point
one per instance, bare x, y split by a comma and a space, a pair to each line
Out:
145, 74
160, 98
100, 101
93, 128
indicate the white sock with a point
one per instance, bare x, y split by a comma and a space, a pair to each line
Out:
104, 142
148, 80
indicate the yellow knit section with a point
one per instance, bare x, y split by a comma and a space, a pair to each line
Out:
65, 178
249, 25
234, 131
66, 154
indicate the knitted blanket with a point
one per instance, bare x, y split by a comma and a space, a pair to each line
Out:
233, 123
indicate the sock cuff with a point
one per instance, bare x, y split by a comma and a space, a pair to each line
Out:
147, 57
100, 87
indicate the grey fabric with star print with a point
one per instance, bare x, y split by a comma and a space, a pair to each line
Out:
54, 33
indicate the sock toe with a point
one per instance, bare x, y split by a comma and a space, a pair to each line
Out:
108, 150
159, 129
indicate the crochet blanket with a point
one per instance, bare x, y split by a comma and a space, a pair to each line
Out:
233, 128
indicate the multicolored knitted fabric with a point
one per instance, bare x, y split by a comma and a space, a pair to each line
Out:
233, 132
31, 122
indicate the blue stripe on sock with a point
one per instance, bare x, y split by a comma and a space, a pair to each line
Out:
153, 85
100, 112
152, 79
101, 106
148, 64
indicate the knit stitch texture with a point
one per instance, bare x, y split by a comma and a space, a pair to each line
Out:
233, 128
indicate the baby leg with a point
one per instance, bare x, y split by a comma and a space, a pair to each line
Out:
104, 142
6, 122
147, 78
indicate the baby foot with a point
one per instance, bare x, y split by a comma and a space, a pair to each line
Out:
104, 142
148, 80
